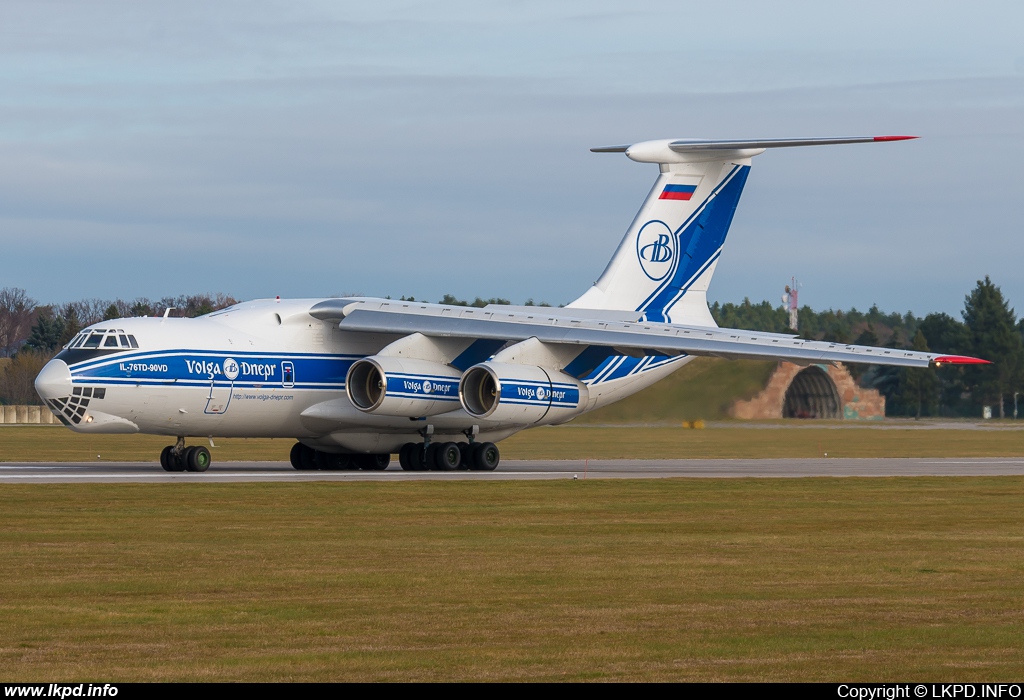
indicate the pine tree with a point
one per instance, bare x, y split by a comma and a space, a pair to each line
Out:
993, 335
867, 336
948, 336
47, 332
72, 324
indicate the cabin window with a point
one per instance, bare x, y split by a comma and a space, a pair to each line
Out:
93, 341
110, 342
131, 339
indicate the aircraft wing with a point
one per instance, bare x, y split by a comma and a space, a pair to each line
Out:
627, 337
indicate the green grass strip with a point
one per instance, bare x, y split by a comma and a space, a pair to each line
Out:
658, 580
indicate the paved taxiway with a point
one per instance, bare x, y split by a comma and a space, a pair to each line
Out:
143, 472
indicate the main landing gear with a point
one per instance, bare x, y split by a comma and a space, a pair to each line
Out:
414, 456
178, 458
307, 459
448, 456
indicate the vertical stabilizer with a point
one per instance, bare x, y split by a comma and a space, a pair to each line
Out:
663, 266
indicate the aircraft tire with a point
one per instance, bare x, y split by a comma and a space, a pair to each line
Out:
324, 461
176, 461
378, 463
486, 457
447, 457
165, 458
295, 456
197, 459
416, 457
466, 448
430, 460
306, 458
403, 456
330, 462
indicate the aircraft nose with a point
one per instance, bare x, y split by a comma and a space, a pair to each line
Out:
54, 381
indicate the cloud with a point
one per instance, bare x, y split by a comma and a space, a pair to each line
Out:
432, 148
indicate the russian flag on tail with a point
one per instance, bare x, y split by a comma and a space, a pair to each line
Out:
683, 192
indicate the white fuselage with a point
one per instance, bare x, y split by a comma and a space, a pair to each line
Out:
264, 368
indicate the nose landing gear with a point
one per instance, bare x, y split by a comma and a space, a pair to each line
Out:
178, 458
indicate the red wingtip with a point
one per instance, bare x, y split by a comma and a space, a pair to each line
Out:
895, 138
960, 360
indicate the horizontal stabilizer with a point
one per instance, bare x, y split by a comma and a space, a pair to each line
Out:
688, 145
656, 151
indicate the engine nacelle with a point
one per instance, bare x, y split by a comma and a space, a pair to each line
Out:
521, 394
398, 386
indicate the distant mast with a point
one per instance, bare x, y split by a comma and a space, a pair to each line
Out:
790, 297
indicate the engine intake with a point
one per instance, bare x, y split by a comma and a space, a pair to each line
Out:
392, 386
521, 394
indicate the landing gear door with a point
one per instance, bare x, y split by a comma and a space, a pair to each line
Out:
287, 374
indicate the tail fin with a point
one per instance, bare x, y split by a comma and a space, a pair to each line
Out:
663, 266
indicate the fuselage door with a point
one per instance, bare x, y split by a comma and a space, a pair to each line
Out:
222, 385
287, 374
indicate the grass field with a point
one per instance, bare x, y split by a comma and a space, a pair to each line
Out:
787, 579
657, 580
701, 390
56, 443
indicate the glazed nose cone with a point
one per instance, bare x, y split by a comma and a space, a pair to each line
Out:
54, 381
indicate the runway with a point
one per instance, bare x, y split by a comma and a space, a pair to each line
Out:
512, 470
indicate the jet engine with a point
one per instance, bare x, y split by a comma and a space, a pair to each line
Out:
399, 386
521, 394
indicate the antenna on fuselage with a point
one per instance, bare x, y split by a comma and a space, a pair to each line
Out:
167, 311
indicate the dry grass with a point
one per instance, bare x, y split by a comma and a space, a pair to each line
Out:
702, 389
807, 579
877, 440
57, 444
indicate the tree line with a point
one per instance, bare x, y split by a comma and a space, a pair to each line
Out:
30, 334
988, 329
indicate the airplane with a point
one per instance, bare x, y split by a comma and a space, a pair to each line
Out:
357, 379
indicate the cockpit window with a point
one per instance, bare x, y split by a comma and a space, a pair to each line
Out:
104, 339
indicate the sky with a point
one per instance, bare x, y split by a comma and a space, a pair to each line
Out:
311, 149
